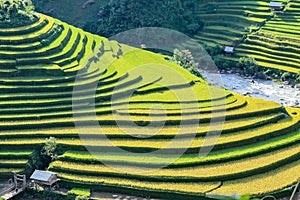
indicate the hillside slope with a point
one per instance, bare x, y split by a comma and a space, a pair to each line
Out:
276, 44
271, 38
251, 26
259, 144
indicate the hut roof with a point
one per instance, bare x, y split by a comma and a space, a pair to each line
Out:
40, 175
229, 49
275, 4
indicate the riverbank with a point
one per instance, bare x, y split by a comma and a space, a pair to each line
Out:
259, 88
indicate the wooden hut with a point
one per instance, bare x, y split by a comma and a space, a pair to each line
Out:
277, 6
43, 178
229, 50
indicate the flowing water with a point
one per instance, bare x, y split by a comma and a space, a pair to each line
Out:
3, 184
265, 89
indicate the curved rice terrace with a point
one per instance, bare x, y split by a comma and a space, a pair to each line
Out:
257, 152
272, 38
276, 44
226, 22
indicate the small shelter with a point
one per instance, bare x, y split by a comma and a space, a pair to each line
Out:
43, 178
229, 50
277, 6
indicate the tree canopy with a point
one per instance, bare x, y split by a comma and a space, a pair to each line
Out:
16, 12
123, 15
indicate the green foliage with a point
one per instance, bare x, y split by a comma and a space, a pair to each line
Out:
286, 76
186, 60
192, 29
211, 7
81, 198
80, 192
35, 161
292, 78
237, 197
48, 153
223, 63
50, 148
45, 194
298, 78
248, 65
16, 12
214, 50
123, 15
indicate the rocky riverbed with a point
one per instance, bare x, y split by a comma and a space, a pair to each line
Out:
265, 89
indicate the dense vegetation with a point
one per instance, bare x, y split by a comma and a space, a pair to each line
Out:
259, 144
123, 15
186, 60
16, 12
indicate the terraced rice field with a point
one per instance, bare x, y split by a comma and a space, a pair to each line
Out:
227, 22
272, 38
276, 44
257, 152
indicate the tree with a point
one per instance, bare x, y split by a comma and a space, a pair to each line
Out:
186, 60
49, 152
50, 148
248, 65
16, 11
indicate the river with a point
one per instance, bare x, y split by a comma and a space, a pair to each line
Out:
265, 89
3, 184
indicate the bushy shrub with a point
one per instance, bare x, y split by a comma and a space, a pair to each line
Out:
16, 12
80, 192
193, 28
50, 148
248, 65
298, 78
49, 151
186, 60
286, 76
223, 63
275, 73
292, 78
214, 50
